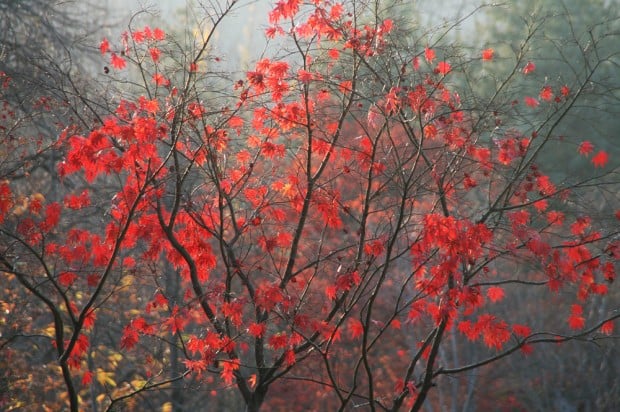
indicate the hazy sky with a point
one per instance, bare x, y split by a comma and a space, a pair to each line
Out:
240, 39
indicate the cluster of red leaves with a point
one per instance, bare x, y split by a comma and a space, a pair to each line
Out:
282, 186
146, 35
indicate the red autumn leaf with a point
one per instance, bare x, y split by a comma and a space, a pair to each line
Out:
529, 68
429, 54
585, 148
257, 330
278, 341
607, 328
104, 46
117, 62
580, 225
575, 320
356, 328
565, 91
148, 105
67, 279
155, 54
289, 357
495, 293
159, 34
52, 217
600, 159
555, 218
304, 76
196, 366
487, 54
416, 63
531, 101
546, 93
521, 330
609, 272
89, 319
228, 370
129, 338
386, 26
87, 378
160, 80
443, 68
177, 320
77, 201
495, 333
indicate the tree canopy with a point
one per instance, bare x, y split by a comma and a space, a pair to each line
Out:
366, 218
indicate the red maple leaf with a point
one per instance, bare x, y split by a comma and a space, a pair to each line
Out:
443, 68
89, 319
495, 293
546, 93
257, 330
104, 46
117, 62
521, 330
600, 159
531, 101
529, 68
87, 378
155, 54
158, 34
160, 80
228, 370
129, 338
278, 341
356, 328
585, 148
77, 201
487, 54
289, 357
66, 279
608, 327
429, 54
575, 320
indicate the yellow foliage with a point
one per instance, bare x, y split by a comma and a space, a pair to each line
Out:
115, 358
138, 383
50, 330
105, 378
127, 281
